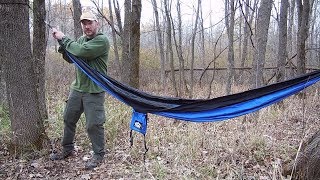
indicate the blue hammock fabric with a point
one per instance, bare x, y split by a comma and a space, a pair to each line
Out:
195, 110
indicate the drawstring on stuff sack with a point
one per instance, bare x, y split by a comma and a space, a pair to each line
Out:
139, 124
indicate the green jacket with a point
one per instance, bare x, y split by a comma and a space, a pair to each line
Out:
94, 52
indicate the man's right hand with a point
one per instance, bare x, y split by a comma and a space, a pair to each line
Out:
57, 34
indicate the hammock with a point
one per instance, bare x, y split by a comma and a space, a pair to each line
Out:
195, 110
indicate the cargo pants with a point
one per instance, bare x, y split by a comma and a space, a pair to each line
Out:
92, 104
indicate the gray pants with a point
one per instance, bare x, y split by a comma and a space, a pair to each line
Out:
92, 104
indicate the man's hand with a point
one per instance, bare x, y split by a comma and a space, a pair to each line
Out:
57, 34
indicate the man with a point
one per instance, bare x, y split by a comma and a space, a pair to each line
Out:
85, 96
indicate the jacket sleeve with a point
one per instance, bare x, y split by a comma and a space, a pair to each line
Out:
64, 55
88, 50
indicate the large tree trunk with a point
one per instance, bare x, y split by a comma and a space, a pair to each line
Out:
125, 38
39, 53
26, 123
77, 30
131, 43
308, 160
262, 28
135, 43
3, 91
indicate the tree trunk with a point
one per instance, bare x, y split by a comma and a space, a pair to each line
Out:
3, 96
282, 47
114, 40
308, 160
26, 122
135, 43
125, 38
194, 33
76, 18
169, 47
178, 44
262, 28
160, 42
39, 53
229, 21
290, 38
303, 31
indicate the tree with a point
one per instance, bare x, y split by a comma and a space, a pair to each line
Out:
76, 17
194, 33
178, 45
229, 21
3, 97
39, 53
169, 56
282, 48
160, 42
114, 39
261, 38
26, 122
290, 37
303, 10
131, 43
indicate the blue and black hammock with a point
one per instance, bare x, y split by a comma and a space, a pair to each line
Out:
194, 110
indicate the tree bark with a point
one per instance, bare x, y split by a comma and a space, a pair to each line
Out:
125, 38
39, 53
229, 21
26, 122
290, 38
282, 47
261, 37
76, 18
135, 43
303, 10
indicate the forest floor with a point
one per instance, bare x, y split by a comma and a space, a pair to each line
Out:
248, 147
254, 146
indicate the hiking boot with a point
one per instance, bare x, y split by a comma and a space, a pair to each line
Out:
93, 163
61, 155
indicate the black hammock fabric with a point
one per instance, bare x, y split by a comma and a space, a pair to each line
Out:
195, 110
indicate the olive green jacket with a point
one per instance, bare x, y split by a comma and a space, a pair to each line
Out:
94, 52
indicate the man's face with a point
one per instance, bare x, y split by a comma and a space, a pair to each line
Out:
89, 27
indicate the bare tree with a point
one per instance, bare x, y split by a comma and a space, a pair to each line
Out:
76, 17
194, 33
303, 10
114, 39
26, 122
290, 37
178, 45
247, 30
229, 21
131, 43
282, 47
160, 42
261, 38
169, 46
